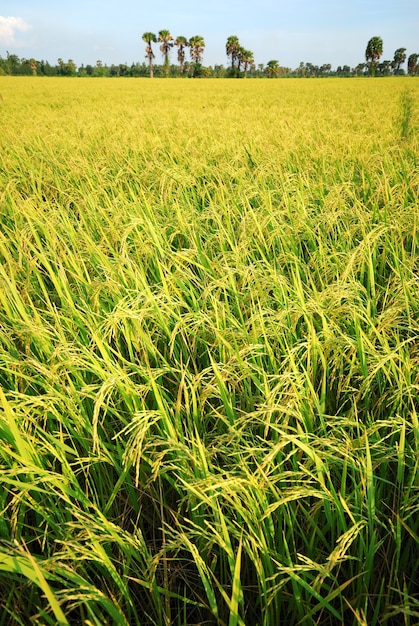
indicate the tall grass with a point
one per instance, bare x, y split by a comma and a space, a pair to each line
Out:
208, 353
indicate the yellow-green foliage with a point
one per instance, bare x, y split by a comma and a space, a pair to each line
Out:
209, 365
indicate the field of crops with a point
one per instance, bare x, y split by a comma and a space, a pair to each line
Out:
209, 352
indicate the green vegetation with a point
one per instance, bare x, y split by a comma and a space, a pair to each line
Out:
373, 53
149, 38
240, 57
181, 43
209, 320
166, 41
242, 63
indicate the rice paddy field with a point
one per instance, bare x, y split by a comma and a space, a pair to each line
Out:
209, 352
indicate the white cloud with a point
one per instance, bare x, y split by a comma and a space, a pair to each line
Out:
9, 27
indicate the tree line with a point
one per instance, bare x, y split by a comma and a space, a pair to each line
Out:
241, 63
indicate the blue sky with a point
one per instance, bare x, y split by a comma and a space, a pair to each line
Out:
322, 31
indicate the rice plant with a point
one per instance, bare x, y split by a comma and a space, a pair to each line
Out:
209, 359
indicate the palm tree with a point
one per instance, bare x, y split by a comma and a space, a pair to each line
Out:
359, 69
165, 38
412, 64
149, 38
325, 68
181, 43
240, 52
197, 45
373, 53
232, 49
399, 59
245, 58
272, 68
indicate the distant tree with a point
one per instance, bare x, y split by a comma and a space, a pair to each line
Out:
345, 70
272, 68
46, 69
240, 52
166, 39
181, 43
24, 68
34, 66
72, 68
99, 70
301, 69
206, 72
359, 70
66, 69
4, 68
138, 69
232, 49
384, 68
197, 70
326, 68
373, 53
187, 68
13, 63
399, 59
311, 70
219, 71
412, 64
197, 46
149, 38
246, 59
